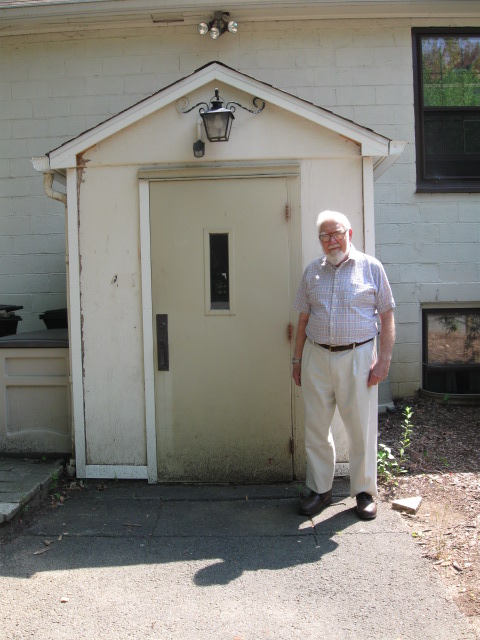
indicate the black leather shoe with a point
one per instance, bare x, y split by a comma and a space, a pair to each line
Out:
315, 503
366, 507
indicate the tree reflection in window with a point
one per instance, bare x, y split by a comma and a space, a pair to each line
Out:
453, 338
447, 109
451, 351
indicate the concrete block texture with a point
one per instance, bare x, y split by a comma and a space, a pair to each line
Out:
408, 352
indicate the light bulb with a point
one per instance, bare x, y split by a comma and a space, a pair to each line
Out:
214, 33
202, 28
233, 26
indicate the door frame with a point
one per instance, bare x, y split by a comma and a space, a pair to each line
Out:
175, 174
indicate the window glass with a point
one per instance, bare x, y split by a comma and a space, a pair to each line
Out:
453, 338
451, 351
451, 71
219, 271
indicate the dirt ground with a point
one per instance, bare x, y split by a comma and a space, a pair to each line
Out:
443, 467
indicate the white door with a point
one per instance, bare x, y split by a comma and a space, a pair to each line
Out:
220, 252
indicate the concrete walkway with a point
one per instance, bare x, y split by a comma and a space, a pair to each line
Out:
130, 560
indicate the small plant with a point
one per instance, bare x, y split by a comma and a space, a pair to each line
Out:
54, 482
405, 442
387, 466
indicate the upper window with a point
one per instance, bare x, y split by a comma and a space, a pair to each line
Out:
447, 109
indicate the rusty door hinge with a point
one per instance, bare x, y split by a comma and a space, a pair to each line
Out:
292, 445
287, 212
290, 331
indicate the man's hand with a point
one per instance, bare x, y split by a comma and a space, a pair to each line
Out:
379, 369
299, 344
378, 372
297, 373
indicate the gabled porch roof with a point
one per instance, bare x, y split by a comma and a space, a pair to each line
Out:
383, 150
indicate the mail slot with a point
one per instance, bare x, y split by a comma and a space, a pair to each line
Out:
162, 342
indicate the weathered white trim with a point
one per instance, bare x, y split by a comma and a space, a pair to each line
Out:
114, 472
395, 149
371, 143
40, 163
75, 326
368, 207
148, 354
45, 16
216, 171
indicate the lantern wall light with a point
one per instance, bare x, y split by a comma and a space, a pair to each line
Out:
217, 119
218, 25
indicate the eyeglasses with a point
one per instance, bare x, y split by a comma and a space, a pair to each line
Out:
337, 235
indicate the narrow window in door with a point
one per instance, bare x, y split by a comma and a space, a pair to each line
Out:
219, 271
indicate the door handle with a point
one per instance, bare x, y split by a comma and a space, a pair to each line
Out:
162, 342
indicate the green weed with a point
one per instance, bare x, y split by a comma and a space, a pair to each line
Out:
54, 482
406, 441
388, 467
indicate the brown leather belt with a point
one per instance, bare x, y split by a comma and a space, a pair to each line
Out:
342, 347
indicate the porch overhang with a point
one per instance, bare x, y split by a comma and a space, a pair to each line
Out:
371, 144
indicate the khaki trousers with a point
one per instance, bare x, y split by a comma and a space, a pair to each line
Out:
339, 379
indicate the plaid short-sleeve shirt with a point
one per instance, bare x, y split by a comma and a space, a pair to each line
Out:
343, 302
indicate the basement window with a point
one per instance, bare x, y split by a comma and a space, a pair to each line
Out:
451, 351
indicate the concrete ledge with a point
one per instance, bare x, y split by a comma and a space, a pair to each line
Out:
21, 480
8, 510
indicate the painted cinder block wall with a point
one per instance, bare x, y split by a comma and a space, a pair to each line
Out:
54, 86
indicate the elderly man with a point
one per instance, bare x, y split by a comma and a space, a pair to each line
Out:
344, 300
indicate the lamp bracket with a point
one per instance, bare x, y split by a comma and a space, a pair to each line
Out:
255, 104
204, 106
199, 104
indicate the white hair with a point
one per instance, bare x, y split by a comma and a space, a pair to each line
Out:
334, 216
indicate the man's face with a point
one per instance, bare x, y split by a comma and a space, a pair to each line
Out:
336, 249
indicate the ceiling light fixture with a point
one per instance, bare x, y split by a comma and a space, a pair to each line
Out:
218, 25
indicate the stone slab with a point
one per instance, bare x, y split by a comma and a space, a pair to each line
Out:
8, 510
408, 505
